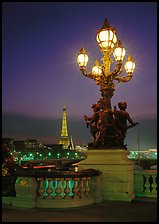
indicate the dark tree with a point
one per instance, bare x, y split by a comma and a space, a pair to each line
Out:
8, 172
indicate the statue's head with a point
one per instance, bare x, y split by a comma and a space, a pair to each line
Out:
103, 103
122, 105
96, 107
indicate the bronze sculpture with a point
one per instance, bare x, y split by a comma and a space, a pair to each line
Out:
109, 127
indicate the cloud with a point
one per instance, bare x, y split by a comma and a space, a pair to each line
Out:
143, 136
47, 130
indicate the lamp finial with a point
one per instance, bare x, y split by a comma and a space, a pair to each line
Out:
106, 24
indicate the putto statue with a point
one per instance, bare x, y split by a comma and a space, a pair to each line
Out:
92, 121
109, 127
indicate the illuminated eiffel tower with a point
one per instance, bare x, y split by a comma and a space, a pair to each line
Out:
64, 133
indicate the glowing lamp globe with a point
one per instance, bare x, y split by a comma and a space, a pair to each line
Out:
119, 52
82, 58
106, 37
130, 65
96, 70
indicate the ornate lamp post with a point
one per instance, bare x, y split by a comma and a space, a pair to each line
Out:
107, 132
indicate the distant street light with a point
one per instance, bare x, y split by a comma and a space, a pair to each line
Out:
108, 127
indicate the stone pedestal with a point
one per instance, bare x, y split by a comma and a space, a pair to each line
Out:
117, 178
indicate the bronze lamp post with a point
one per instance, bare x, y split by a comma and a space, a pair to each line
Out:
104, 123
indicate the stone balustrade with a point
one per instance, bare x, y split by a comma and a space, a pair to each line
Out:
71, 189
145, 183
56, 189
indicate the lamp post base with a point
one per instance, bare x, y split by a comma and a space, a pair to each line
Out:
117, 178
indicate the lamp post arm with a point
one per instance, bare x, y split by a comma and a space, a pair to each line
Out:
118, 69
124, 78
84, 72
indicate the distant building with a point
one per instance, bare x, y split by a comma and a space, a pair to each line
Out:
20, 145
53, 146
8, 141
34, 144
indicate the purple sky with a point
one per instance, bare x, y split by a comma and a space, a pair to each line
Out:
40, 44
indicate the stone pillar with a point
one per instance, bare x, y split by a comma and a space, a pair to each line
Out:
117, 178
26, 194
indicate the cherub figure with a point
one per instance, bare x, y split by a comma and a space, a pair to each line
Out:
121, 118
92, 121
105, 122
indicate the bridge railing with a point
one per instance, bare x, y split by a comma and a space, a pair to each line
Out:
145, 183
47, 190
56, 190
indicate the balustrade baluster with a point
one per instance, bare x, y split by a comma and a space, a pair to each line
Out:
82, 187
87, 188
67, 188
147, 184
49, 189
41, 187
54, 185
76, 188
58, 189
153, 185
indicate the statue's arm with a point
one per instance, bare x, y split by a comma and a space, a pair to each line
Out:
131, 121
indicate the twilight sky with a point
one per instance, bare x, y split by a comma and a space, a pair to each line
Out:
40, 44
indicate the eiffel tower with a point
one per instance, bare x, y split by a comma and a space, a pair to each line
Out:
64, 140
